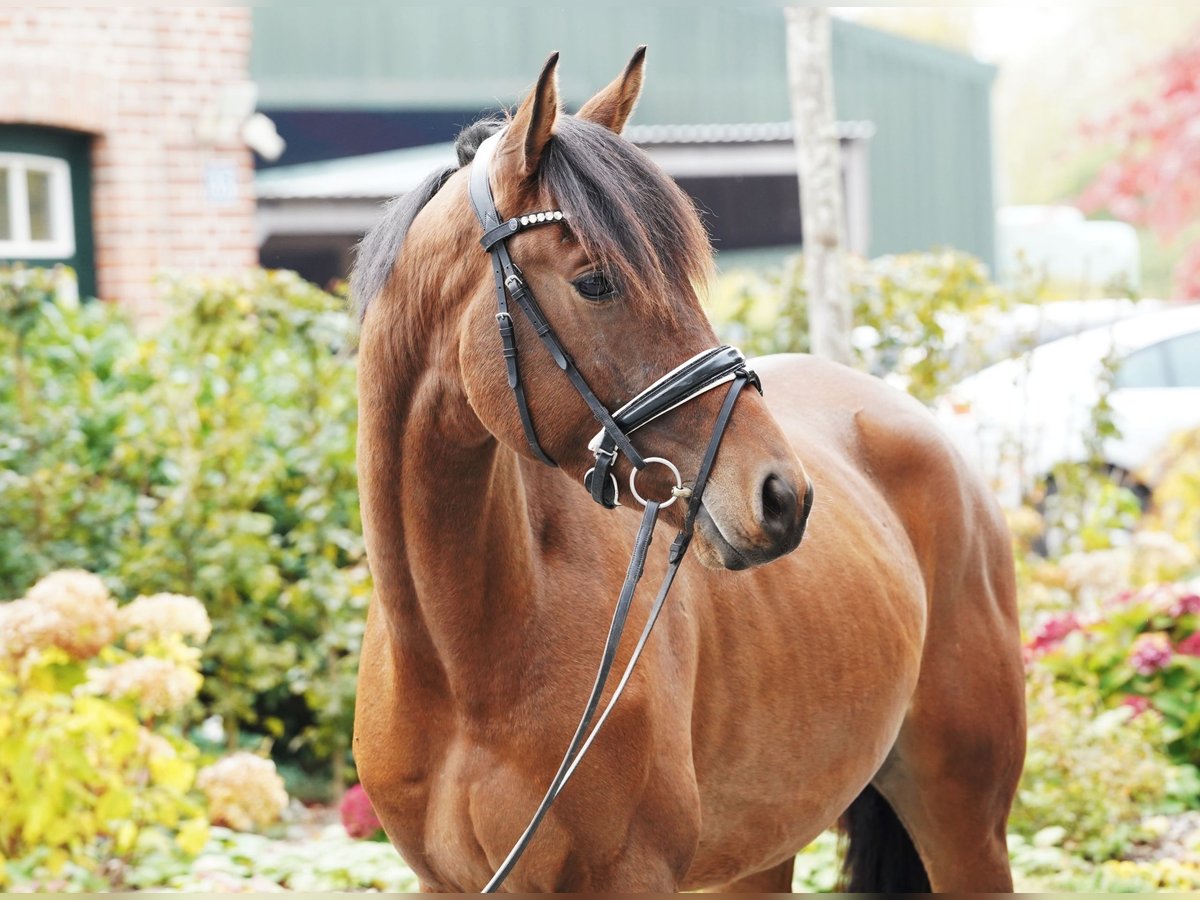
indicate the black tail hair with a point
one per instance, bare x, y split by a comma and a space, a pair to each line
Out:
880, 856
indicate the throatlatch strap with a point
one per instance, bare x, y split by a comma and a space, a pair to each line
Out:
508, 279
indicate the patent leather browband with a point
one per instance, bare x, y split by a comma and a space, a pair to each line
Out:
703, 372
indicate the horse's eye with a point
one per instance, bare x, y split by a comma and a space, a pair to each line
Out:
595, 286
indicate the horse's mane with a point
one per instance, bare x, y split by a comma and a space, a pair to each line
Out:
630, 218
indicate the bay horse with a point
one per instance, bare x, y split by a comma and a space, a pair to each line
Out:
872, 676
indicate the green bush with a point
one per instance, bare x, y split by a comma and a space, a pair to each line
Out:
901, 306
1141, 650
215, 456
1092, 773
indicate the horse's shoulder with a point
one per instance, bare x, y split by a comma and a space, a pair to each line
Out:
888, 426
891, 437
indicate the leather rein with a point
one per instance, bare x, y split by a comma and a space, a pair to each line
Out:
703, 372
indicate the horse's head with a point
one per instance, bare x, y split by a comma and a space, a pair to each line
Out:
618, 280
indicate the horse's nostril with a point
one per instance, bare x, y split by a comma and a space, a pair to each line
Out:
779, 506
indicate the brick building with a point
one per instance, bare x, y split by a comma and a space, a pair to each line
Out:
120, 144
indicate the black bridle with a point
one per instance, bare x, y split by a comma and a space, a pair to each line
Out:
700, 374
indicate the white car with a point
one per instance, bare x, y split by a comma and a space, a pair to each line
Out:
1019, 418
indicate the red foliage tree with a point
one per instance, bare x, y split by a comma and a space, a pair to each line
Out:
1155, 178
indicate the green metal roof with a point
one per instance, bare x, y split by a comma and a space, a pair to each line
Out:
708, 62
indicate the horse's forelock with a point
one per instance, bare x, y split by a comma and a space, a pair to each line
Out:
629, 216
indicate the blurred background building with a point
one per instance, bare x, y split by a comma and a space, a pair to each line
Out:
367, 105
121, 147
153, 148
129, 157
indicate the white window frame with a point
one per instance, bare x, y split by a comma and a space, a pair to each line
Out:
62, 220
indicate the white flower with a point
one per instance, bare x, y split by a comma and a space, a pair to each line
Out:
69, 609
1098, 572
26, 626
1159, 556
158, 685
158, 616
244, 791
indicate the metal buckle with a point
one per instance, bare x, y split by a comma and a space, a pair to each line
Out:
613, 479
611, 455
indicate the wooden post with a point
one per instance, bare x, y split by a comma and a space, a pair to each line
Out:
818, 161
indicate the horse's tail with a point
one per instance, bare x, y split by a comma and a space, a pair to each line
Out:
880, 856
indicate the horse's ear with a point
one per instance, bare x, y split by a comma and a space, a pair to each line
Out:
533, 124
613, 105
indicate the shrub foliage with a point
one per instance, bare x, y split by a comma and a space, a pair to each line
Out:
213, 456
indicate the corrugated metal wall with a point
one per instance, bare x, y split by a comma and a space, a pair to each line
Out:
931, 158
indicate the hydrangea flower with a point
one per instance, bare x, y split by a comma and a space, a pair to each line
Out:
358, 815
1150, 653
158, 685
1188, 603
1137, 703
1052, 631
26, 626
69, 609
1096, 571
244, 791
158, 616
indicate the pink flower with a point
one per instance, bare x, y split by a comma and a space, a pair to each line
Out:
358, 815
1150, 653
1189, 603
1052, 631
1190, 645
1137, 703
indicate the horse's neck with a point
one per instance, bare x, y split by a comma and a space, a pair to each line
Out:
448, 532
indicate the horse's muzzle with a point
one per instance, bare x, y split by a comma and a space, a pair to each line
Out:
783, 519
784, 514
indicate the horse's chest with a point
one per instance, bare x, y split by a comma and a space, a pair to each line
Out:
453, 852
466, 813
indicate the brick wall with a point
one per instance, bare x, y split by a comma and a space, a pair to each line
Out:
172, 183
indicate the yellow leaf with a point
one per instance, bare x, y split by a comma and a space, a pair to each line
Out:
35, 825
192, 836
56, 859
115, 804
126, 838
172, 773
